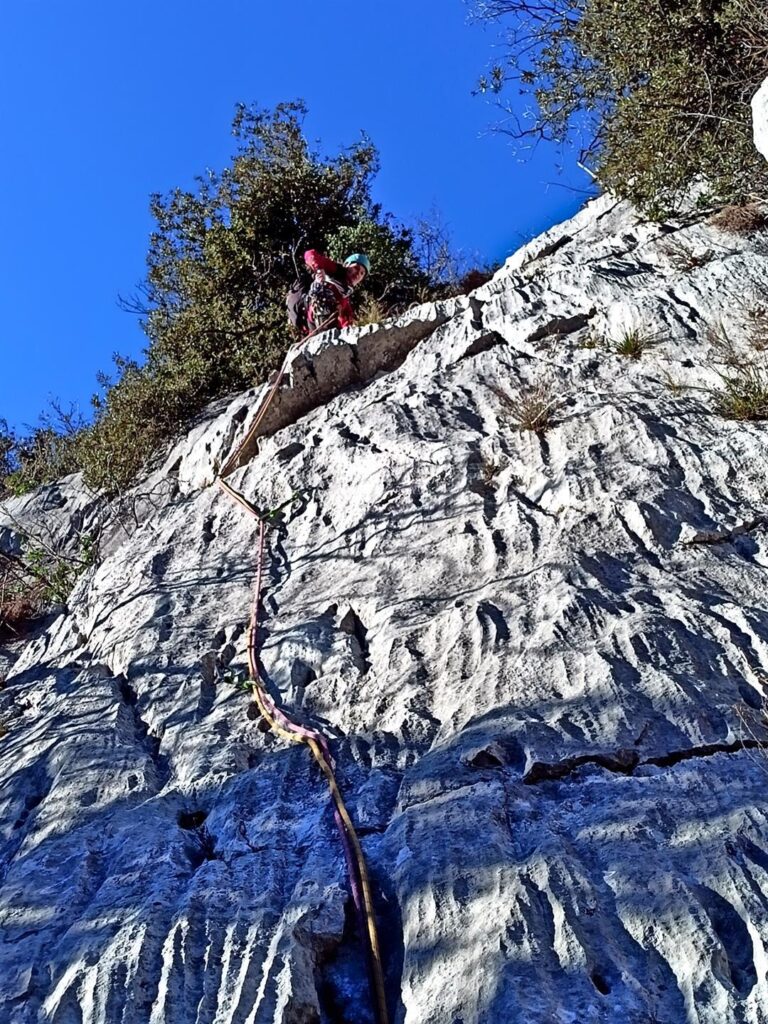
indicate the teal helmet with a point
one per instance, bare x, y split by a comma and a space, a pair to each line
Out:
360, 259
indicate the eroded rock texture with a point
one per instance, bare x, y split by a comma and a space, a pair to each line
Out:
541, 661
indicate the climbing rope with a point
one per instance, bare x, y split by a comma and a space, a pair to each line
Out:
234, 458
296, 733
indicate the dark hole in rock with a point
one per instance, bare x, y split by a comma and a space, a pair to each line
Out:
352, 624
755, 853
499, 544
302, 674
253, 712
485, 759
32, 800
289, 452
264, 725
600, 983
192, 819
127, 692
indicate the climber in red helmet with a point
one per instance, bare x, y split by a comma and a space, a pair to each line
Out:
325, 304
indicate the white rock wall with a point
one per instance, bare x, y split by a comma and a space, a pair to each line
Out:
760, 118
541, 662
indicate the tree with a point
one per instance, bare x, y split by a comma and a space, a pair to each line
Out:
42, 453
8, 458
656, 92
220, 262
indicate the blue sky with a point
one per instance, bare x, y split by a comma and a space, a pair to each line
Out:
102, 104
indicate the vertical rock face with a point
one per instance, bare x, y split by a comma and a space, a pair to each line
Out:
760, 118
540, 659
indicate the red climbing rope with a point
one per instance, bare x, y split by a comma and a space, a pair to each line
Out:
296, 733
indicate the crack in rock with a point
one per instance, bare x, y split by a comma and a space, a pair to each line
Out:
626, 761
723, 536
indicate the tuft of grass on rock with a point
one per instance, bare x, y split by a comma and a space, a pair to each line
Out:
743, 393
756, 324
590, 342
675, 387
744, 220
371, 311
743, 390
534, 408
633, 342
489, 470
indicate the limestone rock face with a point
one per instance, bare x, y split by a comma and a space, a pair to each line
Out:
540, 660
760, 118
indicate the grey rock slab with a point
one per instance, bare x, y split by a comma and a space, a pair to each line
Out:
541, 663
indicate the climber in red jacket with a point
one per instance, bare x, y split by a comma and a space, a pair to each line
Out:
327, 300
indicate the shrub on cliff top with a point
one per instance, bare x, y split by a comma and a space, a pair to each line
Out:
657, 93
220, 262
43, 453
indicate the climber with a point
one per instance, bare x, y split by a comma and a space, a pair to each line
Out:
325, 302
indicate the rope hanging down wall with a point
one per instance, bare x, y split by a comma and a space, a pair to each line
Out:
296, 733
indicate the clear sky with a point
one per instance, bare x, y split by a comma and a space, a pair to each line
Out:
103, 103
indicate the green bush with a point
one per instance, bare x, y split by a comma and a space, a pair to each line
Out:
46, 452
220, 261
659, 92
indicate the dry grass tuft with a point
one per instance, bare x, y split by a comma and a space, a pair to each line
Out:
371, 311
683, 257
17, 612
534, 408
756, 326
743, 394
740, 220
743, 391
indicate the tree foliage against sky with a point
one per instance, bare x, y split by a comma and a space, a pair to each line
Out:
656, 92
220, 261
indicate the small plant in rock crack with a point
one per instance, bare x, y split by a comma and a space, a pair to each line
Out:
753, 729
237, 677
675, 387
534, 408
683, 257
490, 469
723, 349
590, 342
743, 390
633, 342
756, 325
743, 394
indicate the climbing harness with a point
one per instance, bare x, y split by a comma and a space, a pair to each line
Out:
294, 732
